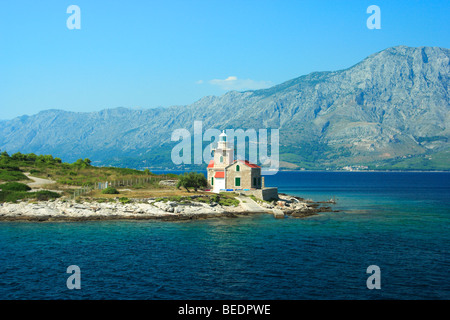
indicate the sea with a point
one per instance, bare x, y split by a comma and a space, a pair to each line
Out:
395, 221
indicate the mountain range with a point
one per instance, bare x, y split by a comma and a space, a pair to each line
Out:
389, 111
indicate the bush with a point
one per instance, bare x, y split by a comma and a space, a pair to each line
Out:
229, 202
45, 195
203, 200
80, 163
14, 186
110, 190
6, 175
192, 180
11, 196
124, 200
175, 198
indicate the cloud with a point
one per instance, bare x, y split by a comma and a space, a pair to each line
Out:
233, 83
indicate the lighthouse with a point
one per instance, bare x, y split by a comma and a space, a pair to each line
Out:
227, 174
224, 153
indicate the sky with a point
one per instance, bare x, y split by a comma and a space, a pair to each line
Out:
147, 54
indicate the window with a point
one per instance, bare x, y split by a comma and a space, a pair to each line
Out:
212, 181
254, 182
237, 182
221, 159
259, 181
238, 168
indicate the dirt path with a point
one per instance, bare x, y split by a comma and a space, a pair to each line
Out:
38, 182
251, 206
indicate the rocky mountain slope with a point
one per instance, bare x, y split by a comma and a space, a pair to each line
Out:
391, 110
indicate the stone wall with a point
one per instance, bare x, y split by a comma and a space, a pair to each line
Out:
245, 173
264, 194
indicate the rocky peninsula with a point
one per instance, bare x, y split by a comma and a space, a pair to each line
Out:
159, 209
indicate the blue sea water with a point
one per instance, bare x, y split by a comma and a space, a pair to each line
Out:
397, 221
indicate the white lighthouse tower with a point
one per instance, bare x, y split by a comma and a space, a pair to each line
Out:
224, 153
223, 157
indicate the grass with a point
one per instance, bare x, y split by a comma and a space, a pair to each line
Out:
69, 177
76, 174
14, 196
130, 183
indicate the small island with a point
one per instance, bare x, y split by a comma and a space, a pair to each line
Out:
43, 188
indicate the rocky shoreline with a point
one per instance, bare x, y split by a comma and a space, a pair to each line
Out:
70, 210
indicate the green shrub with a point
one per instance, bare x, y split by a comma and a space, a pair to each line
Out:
7, 175
13, 196
226, 201
175, 198
14, 186
110, 190
203, 200
45, 195
10, 196
9, 167
124, 200
191, 180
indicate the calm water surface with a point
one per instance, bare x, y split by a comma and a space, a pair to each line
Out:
397, 221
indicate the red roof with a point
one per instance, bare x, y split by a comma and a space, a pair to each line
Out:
211, 164
249, 164
220, 174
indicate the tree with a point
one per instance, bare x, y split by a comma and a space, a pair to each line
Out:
31, 157
80, 163
19, 156
48, 159
192, 180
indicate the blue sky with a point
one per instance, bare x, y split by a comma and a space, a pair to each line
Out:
145, 54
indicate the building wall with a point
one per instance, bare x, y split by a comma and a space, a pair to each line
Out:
245, 173
226, 155
210, 174
219, 184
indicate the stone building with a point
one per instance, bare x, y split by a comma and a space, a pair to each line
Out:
225, 173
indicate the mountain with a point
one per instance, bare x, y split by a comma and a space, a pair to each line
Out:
390, 111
